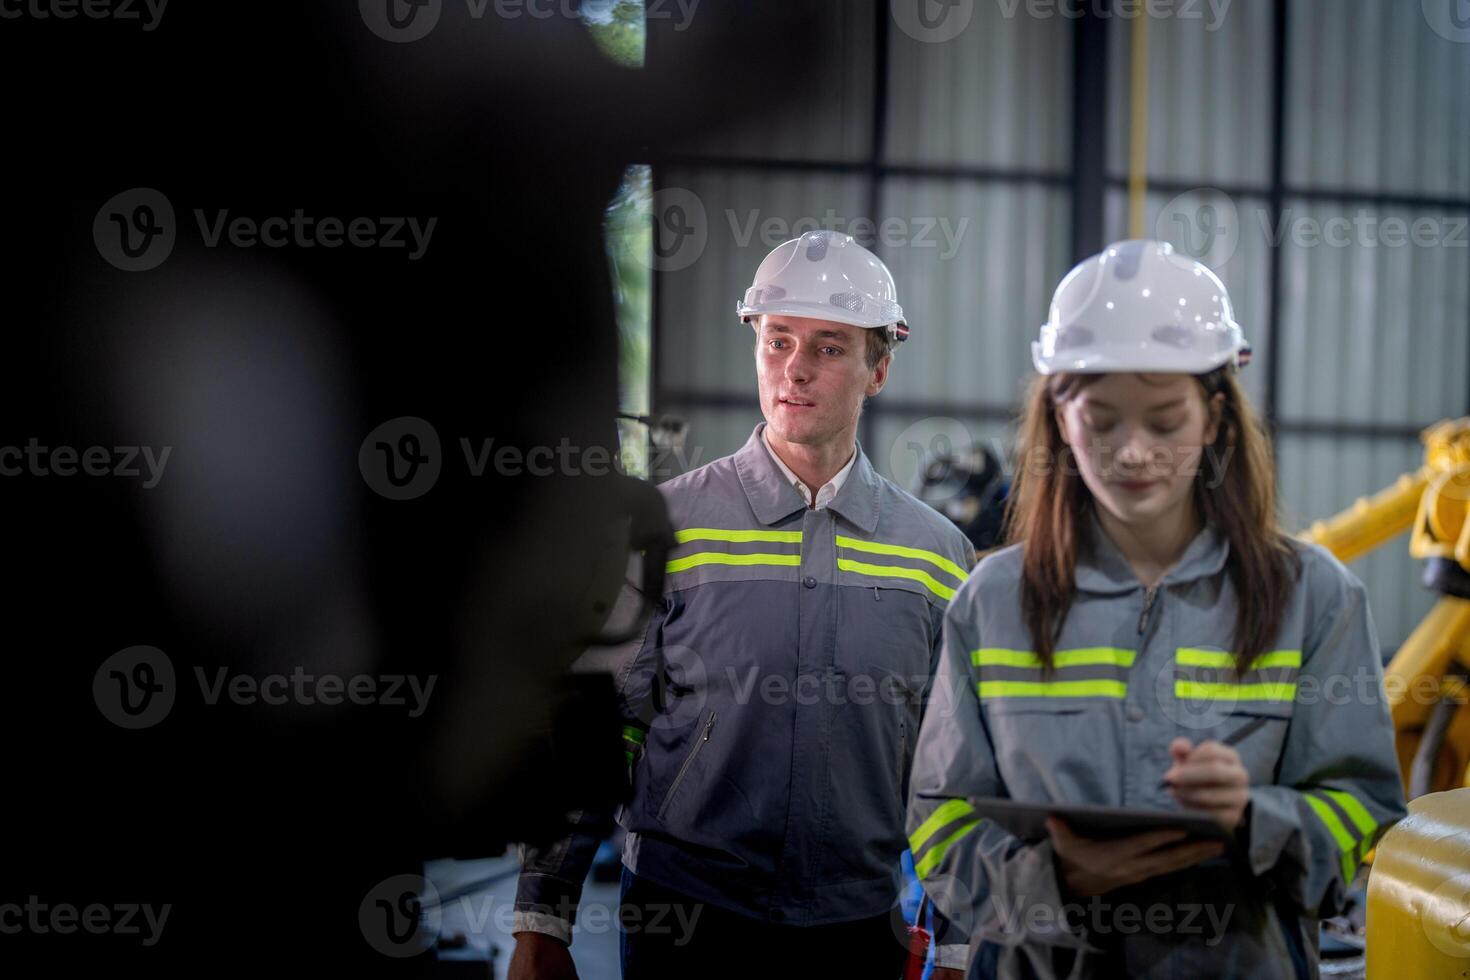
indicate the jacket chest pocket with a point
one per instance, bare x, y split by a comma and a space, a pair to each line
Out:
883, 632
1263, 727
1056, 748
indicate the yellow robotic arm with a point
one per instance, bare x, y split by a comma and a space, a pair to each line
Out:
1425, 680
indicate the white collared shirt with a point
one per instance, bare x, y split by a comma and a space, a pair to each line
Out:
828, 491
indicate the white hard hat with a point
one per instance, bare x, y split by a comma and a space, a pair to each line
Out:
1138, 306
828, 276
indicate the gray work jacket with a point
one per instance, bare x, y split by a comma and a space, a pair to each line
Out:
1136, 668
774, 701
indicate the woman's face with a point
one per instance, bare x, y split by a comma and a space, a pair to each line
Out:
1138, 440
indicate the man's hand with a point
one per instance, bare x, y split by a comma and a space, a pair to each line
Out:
540, 957
1209, 777
1092, 867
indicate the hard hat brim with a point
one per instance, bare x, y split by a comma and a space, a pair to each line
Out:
812, 311
1145, 362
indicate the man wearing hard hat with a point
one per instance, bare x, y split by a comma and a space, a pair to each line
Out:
772, 706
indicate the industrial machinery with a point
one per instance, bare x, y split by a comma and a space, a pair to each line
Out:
1426, 680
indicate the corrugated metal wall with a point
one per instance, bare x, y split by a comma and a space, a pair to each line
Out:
1374, 337
997, 95
1209, 95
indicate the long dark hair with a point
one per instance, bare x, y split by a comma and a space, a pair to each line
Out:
1049, 504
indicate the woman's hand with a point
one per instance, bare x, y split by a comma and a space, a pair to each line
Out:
1090, 867
1209, 777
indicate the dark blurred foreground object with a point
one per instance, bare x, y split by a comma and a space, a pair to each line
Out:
274, 833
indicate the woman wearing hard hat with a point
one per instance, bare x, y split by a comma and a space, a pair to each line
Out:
1151, 640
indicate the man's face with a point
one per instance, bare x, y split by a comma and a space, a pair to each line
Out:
813, 377
1138, 440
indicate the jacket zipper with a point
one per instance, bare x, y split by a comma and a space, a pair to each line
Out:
688, 761
1148, 603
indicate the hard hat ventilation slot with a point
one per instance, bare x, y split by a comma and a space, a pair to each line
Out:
816, 248
1130, 256
852, 302
1075, 337
1174, 336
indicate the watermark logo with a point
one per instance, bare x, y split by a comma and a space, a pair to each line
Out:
148, 12
37, 460
1103, 918
400, 916
1446, 917
1202, 224
135, 231
401, 459
135, 688
680, 230
1206, 224
932, 21
678, 690
401, 21
1450, 19
124, 919
932, 450
1212, 12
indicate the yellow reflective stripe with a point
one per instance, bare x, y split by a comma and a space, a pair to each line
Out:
1053, 689
723, 558
1088, 656
630, 755
730, 534
633, 734
1356, 812
1328, 816
1194, 690
877, 548
947, 812
936, 854
1190, 657
897, 571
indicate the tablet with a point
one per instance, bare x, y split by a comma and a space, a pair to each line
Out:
1027, 820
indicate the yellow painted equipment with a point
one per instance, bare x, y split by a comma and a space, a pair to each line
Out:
1419, 893
1424, 682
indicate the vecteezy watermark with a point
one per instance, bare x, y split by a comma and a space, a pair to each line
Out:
1446, 916
148, 12
840, 689
1101, 918
34, 459
400, 916
682, 229
894, 232
404, 21
402, 459
932, 21
1450, 19
1212, 12
136, 688
136, 230
64, 919
590, 918
937, 21
1207, 224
